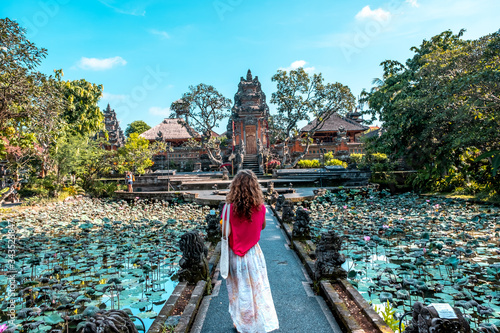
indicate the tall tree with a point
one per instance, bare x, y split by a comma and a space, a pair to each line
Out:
137, 154
82, 115
301, 97
200, 110
18, 79
138, 126
442, 104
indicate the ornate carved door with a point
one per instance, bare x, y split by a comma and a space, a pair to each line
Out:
251, 140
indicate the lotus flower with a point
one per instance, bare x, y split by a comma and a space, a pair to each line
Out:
367, 238
345, 207
385, 226
3, 328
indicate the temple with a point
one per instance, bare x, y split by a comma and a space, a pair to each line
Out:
248, 122
116, 139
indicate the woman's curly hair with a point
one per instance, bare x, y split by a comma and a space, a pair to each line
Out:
245, 194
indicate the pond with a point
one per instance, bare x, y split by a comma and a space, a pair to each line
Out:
408, 248
93, 254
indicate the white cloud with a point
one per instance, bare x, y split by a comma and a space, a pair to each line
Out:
96, 64
297, 64
158, 111
377, 14
413, 3
162, 34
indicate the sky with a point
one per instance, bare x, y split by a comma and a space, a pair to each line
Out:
146, 53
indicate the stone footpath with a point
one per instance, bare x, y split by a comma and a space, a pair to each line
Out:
298, 308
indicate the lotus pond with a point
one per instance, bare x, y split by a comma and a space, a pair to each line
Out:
408, 248
92, 254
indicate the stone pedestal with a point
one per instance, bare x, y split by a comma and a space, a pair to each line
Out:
213, 227
288, 215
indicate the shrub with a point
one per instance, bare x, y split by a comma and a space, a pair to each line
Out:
273, 164
303, 164
334, 161
357, 158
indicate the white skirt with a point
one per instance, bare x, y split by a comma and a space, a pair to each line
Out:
250, 301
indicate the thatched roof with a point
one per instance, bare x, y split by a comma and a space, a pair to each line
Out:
334, 122
171, 129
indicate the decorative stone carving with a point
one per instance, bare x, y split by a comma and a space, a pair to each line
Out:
319, 192
288, 214
107, 321
280, 202
274, 198
328, 257
225, 173
301, 228
194, 264
426, 319
213, 227
240, 155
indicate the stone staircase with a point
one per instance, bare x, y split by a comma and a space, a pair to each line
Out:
251, 162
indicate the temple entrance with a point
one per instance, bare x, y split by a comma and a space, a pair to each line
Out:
251, 140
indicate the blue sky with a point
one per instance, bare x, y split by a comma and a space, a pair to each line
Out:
146, 53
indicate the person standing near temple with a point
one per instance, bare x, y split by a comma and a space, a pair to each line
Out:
250, 301
129, 178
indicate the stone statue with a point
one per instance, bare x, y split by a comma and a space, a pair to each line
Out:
107, 321
260, 156
274, 198
240, 155
328, 257
213, 227
426, 319
301, 228
280, 202
225, 173
288, 214
194, 264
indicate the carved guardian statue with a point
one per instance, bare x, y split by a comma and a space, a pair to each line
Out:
194, 263
301, 225
328, 257
288, 214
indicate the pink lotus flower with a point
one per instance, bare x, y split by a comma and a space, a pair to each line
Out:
367, 238
345, 207
385, 226
3, 328
136, 198
425, 250
427, 200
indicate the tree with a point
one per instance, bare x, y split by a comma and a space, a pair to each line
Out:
201, 109
137, 126
298, 97
82, 115
137, 154
441, 105
18, 79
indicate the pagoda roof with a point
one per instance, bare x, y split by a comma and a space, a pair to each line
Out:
333, 123
171, 129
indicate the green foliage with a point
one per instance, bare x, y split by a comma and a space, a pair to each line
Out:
136, 155
308, 164
387, 313
300, 97
440, 104
357, 158
201, 109
103, 190
138, 126
82, 115
334, 161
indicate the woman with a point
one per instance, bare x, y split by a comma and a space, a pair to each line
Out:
250, 301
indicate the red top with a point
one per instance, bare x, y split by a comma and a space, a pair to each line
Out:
245, 234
